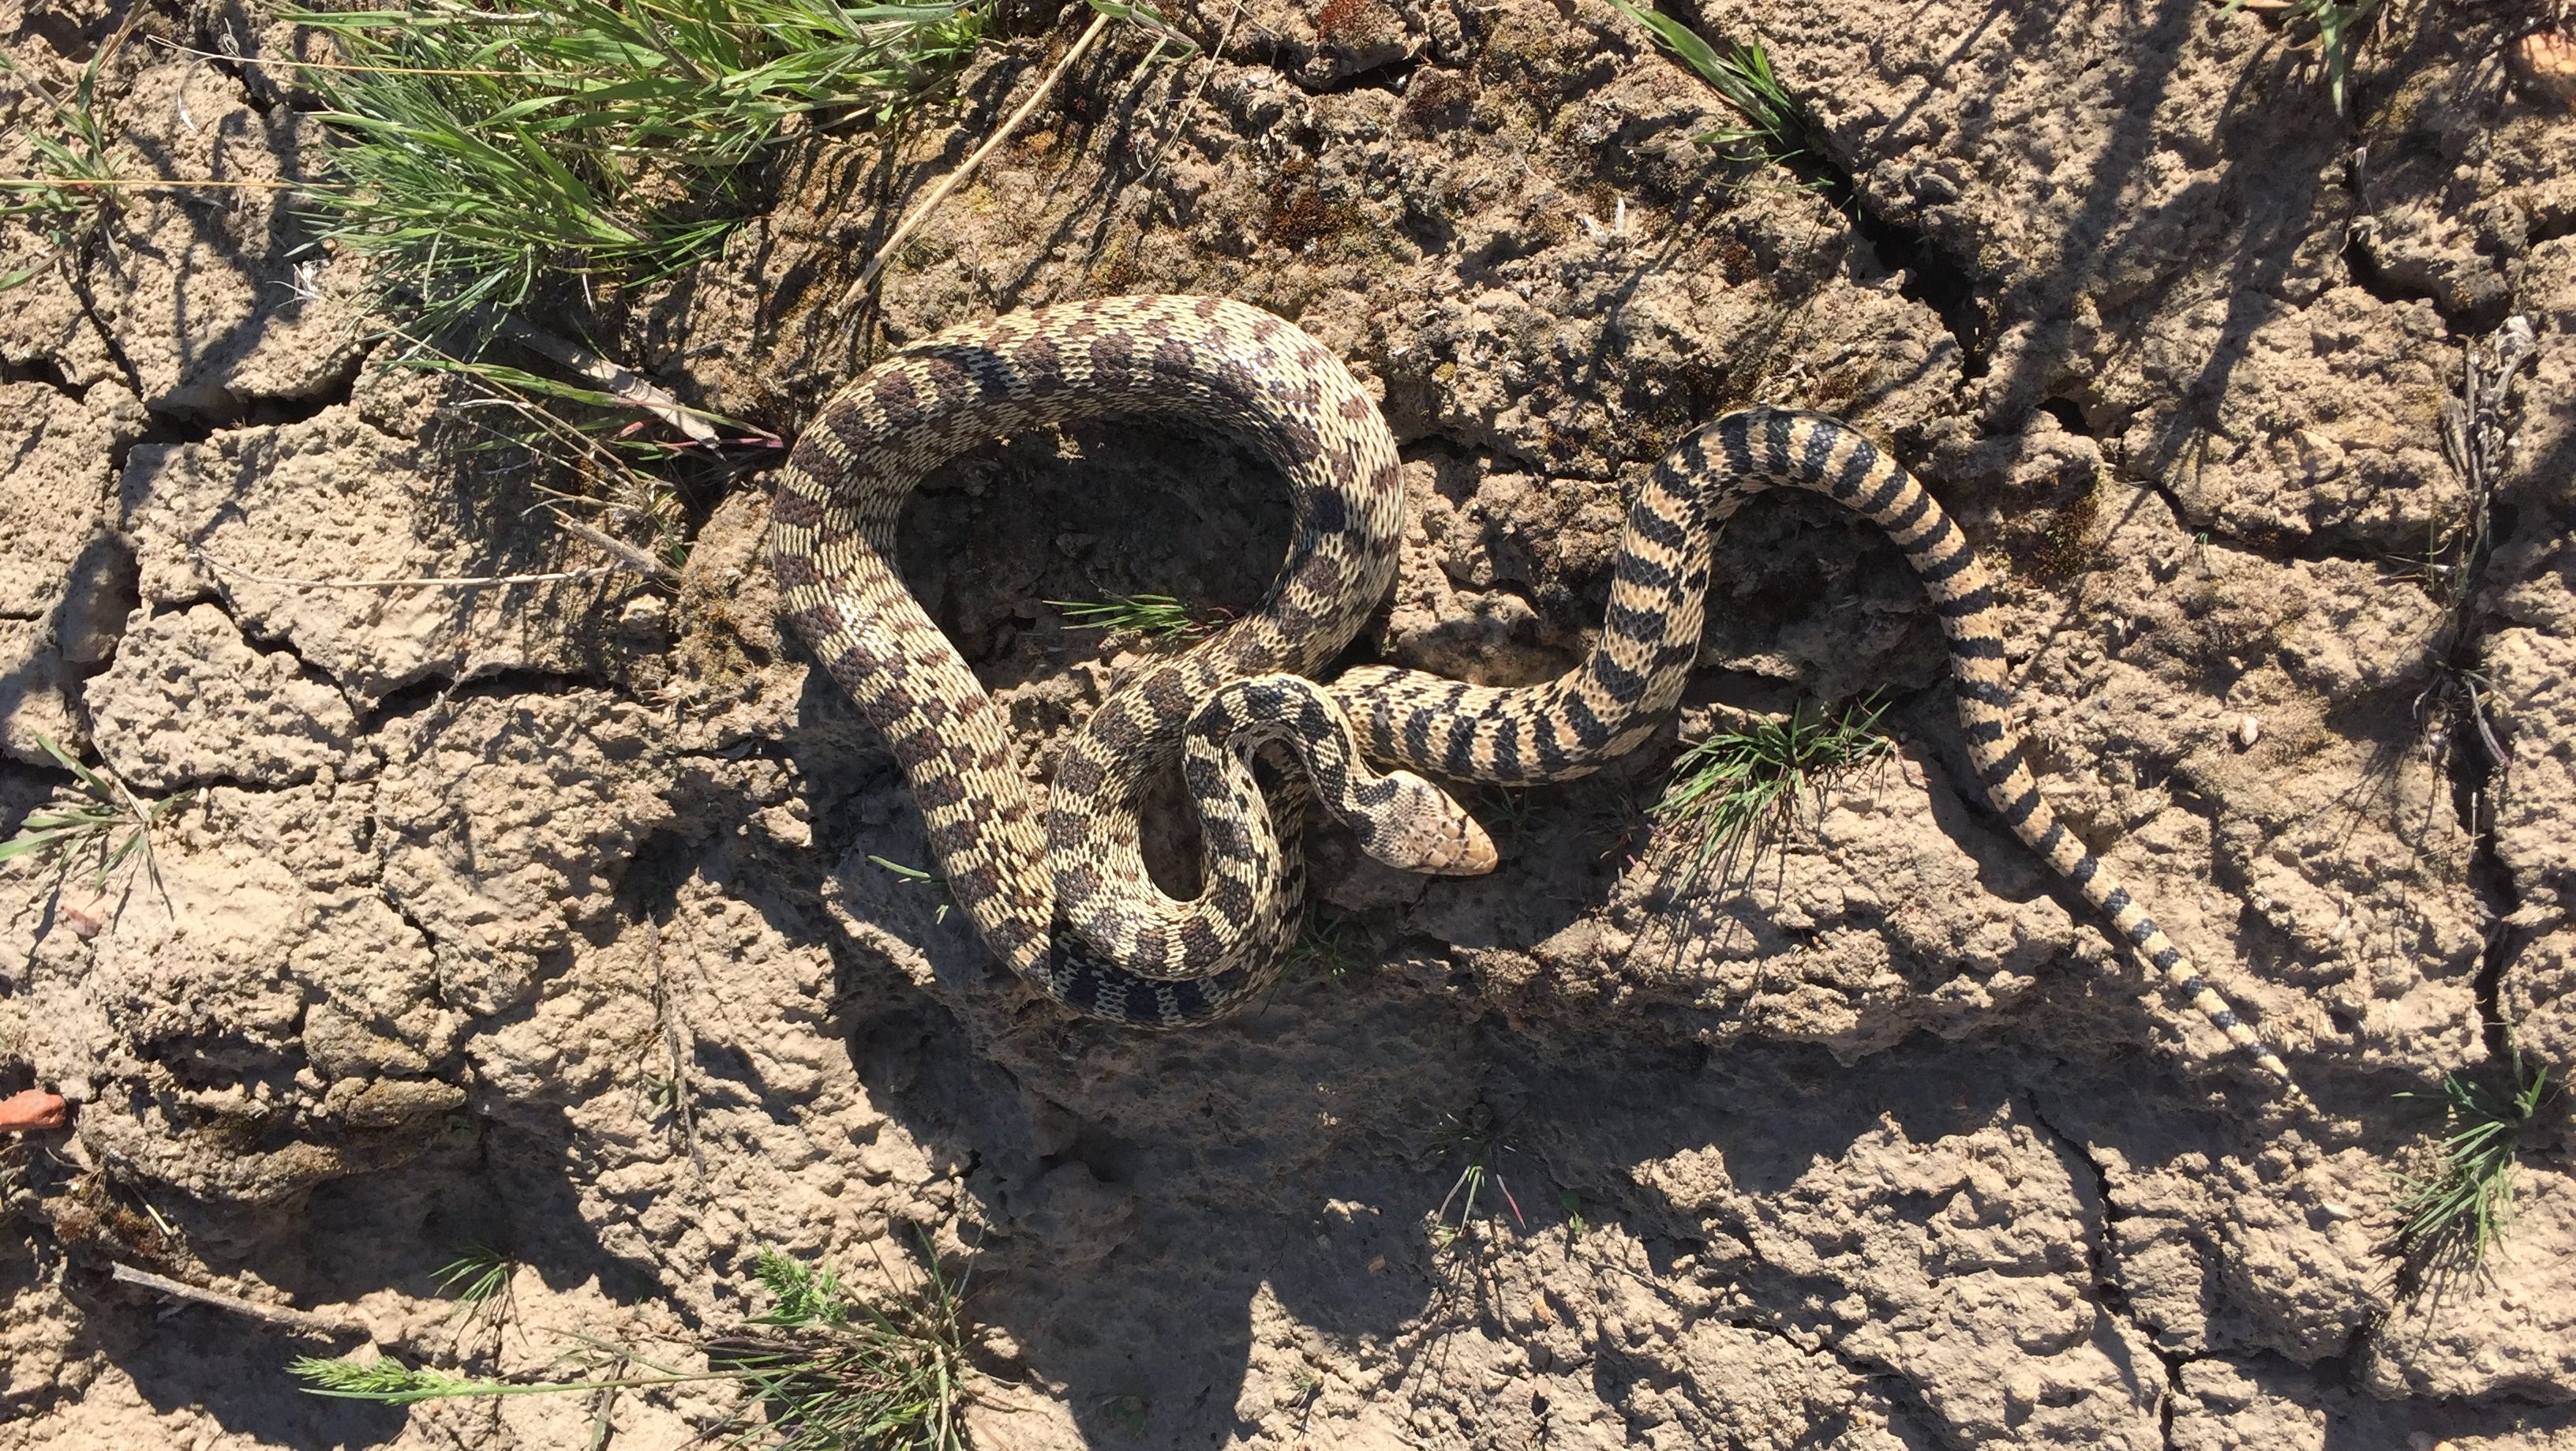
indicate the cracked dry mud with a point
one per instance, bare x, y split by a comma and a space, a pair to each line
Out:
551, 915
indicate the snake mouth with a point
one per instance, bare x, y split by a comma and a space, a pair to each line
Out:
1429, 832
1475, 855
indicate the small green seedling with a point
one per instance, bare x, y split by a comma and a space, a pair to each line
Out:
113, 822
2339, 26
1507, 812
1743, 78
1159, 618
479, 1279
1483, 1145
915, 874
1325, 943
826, 1370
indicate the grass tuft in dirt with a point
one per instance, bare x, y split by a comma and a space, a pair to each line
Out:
1158, 618
110, 823
479, 1280
71, 197
1772, 130
2334, 28
2454, 1218
1479, 1140
838, 1372
825, 1370
481, 150
1745, 779
1325, 944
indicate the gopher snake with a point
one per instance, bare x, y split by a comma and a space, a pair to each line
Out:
1063, 898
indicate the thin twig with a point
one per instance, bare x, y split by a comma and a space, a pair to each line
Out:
302, 1322
957, 178
682, 1112
636, 559
1216, 55
458, 582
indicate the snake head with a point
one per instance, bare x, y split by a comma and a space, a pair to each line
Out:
1424, 829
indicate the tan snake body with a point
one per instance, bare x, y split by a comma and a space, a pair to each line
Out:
1061, 896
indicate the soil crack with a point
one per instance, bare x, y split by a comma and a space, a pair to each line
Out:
44, 371
2100, 1256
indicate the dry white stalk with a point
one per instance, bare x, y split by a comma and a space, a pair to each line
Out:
600, 539
957, 178
616, 379
303, 1322
477, 581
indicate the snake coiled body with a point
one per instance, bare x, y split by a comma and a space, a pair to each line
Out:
1060, 892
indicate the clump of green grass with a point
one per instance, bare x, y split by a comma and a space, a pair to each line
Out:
1324, 944
2335, 28
483, 149
1128, 1413
111, 823
826, 1370
495, 161
1507, 812
1159, 618
1772, 127
479, 1279
72, 196
1730, 787
843, 1373
1480, 1142
2462, 1211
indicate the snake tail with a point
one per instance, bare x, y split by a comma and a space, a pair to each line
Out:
1649, 642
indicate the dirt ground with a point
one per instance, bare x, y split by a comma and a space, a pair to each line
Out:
552, 916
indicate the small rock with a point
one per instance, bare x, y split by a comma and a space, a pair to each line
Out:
2248, 731
86, 917
648, 615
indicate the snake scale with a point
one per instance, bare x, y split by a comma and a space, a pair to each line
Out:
1058, 888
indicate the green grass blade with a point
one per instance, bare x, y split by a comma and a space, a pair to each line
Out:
88, 777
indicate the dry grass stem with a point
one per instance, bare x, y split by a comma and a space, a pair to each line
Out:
958, 178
